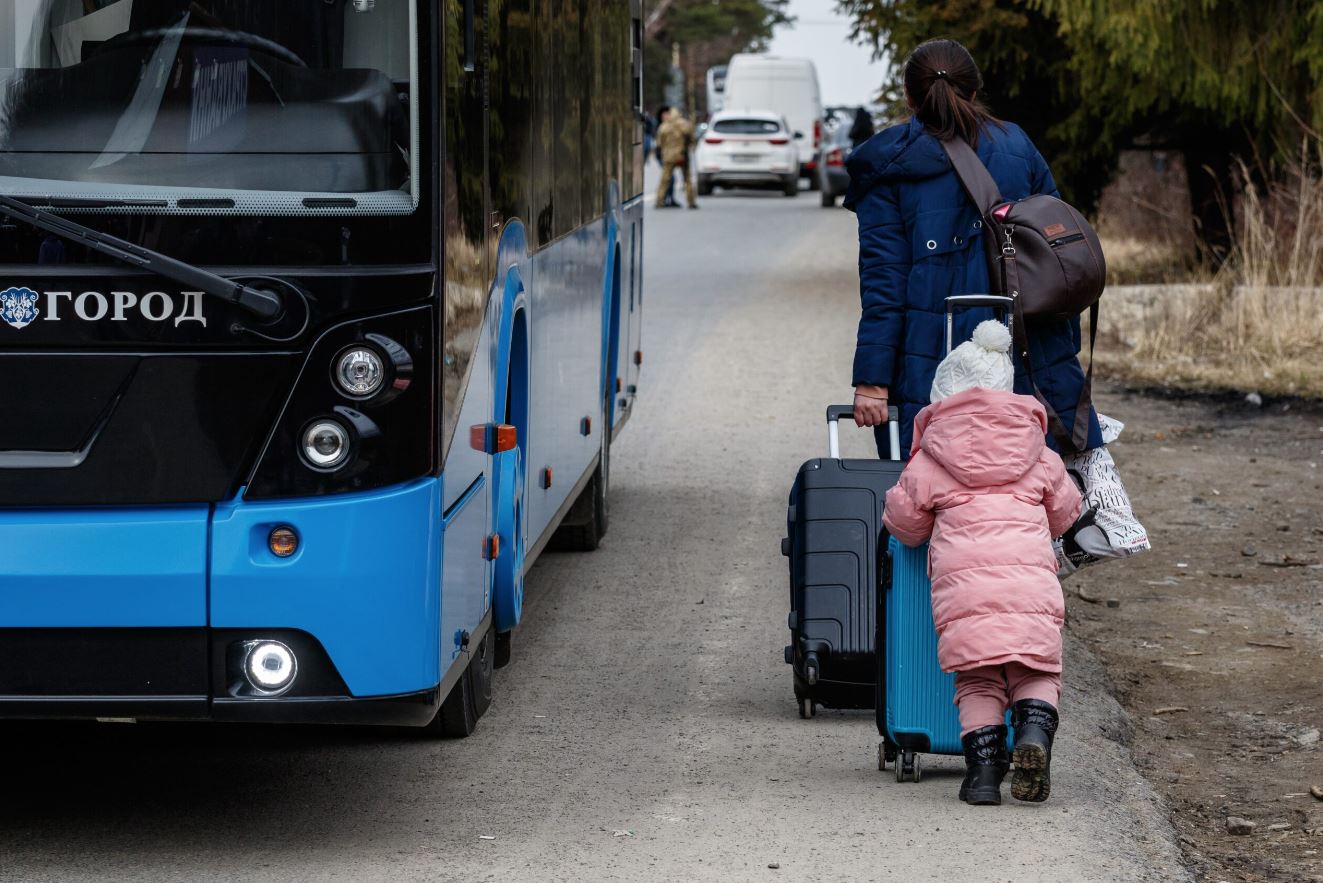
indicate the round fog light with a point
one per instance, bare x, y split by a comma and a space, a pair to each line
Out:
326, 444
283, 541
270, 666
360, 372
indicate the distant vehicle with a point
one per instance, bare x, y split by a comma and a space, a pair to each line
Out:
789, 88
833, 179
748, 149
716, 89
838, 115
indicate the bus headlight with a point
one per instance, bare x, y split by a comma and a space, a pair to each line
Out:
358, 417
269, 666
325, 444
360, 372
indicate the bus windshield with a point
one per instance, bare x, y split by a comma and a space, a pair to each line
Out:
267, 107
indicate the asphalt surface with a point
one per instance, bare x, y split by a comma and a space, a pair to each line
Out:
646, 729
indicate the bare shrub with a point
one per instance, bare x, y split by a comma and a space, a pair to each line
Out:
1145, 221
1258, 325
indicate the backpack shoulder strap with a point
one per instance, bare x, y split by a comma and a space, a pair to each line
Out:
973, 175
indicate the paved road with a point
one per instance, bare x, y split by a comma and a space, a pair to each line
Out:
646, 730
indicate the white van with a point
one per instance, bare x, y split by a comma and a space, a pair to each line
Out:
785, 86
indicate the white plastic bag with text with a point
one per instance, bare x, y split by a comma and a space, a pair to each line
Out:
1113, 531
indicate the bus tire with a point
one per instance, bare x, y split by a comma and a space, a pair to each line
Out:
471, 696
585, 525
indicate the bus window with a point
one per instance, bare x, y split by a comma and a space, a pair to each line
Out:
269, 107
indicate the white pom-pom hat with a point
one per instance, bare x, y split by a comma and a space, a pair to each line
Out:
982, 361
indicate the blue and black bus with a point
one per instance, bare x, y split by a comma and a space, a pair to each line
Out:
317, 321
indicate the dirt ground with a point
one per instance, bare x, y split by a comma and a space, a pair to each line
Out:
1214, 640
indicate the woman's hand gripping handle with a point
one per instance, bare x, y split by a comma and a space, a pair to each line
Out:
870, 405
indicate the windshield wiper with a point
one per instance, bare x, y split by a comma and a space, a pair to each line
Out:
258, 301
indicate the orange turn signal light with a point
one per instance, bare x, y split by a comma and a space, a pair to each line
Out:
507, 437
283, 541
491, 547
492, 438
478, 436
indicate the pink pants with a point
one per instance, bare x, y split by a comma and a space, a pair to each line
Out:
984, 694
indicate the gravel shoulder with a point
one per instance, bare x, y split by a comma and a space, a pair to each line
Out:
1216, 644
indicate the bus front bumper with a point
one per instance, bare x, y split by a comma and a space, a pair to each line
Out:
146, 613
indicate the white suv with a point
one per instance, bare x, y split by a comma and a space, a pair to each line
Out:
748, 149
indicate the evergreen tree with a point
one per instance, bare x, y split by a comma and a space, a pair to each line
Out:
1215, 79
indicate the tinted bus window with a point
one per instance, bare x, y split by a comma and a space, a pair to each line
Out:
233, 106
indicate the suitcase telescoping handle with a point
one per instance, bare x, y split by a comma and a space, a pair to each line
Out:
836, 412
959, 302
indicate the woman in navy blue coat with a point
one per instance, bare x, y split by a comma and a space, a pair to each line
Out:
920, 241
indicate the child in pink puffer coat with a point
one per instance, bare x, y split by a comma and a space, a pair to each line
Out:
984, 486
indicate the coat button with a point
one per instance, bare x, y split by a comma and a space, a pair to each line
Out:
959, 241
932, 244
978, 225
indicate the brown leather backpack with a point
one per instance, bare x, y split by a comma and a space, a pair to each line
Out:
1047, 259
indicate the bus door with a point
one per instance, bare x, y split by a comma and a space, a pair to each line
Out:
468, 246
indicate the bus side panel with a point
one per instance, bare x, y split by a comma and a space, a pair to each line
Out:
466, 578
631, 252
565, 327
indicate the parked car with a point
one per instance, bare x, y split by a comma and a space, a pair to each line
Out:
789, 88
833, 179
747, 149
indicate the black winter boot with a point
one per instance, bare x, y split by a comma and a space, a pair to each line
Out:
1035, 724
986, 763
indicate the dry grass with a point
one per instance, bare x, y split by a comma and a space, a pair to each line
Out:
1215, 337
1133, 261
1257, 325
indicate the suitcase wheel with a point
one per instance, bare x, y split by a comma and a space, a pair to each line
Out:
908, 765
811, 669
806, 708
886, 753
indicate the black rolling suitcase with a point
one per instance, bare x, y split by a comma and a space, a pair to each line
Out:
834, 524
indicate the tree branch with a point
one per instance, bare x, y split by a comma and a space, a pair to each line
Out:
656, 18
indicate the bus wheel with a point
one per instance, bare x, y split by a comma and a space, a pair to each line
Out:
471, 696
585, 525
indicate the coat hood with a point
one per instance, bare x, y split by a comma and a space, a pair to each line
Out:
983, 437
904, 152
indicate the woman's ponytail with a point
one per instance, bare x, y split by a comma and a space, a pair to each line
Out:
942, 83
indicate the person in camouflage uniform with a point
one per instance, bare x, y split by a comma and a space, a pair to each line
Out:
675, 140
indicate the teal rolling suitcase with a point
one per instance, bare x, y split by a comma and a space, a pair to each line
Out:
916, 712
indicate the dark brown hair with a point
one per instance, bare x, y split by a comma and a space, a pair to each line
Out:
942, 83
